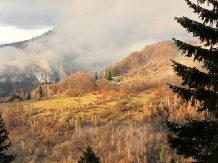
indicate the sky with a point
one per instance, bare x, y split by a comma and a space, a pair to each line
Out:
24, 19
96, 32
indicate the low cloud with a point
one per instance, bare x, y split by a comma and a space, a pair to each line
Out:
89, 34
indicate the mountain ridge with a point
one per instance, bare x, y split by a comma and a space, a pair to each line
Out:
151, 60
139, 61
23, 44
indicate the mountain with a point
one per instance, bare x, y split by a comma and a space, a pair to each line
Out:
48, 58
23, 44
39, 70
152, 58
21, 72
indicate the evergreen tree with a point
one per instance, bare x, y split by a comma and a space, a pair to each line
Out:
89, 156
198, 138
28, 97
172, 161
13, 97
108, 74
112, 73
162, 155
96, 76
4, 144
79, 123
39, 91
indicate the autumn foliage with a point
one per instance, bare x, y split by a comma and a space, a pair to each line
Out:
160, 52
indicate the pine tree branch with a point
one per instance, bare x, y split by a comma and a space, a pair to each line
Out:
208, 16
211, 67
194, 137
199, 53
204, 33
191, 76
184, 93
212, 2
208, 99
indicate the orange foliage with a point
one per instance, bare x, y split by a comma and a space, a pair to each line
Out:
105, 86
160, 52
77, 84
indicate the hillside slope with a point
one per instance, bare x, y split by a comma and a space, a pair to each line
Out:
148, 59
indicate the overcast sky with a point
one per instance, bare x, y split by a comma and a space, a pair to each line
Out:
145, 19
95, 30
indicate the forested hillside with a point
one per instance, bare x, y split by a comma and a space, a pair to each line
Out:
139, 62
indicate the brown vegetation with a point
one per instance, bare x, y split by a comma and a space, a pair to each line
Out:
160, 52
129, 131
122, 121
